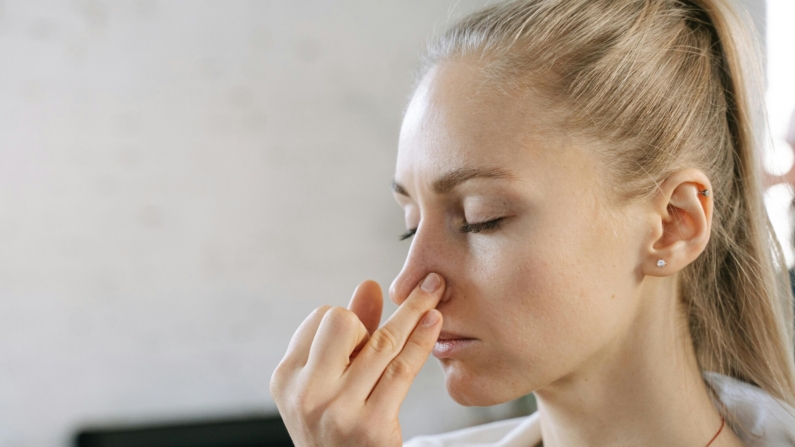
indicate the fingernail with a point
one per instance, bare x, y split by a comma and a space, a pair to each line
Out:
431, 318
431, 282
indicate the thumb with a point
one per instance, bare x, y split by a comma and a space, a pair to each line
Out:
368, 303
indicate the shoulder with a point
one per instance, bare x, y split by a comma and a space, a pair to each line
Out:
511, 432
763, 420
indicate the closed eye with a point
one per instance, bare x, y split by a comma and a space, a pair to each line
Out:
465, 228
481, 226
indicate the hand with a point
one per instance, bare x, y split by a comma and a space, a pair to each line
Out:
343, 380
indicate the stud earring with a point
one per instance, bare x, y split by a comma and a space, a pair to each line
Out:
661, 263
704, 193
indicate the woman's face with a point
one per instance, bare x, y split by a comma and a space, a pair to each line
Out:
541, 272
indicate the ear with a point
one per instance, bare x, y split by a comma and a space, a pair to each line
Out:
682, 222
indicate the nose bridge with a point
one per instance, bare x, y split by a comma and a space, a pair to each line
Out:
422, 259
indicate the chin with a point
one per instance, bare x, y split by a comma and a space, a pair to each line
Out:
474, 390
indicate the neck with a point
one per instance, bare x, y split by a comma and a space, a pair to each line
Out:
644, 389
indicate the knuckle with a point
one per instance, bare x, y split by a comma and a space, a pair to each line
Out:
342, 424
384, 341
303, 405
399, 367
341, 319
338, 423
365, 432
418, 343
275, 384
342, 315
418, 303
279, 379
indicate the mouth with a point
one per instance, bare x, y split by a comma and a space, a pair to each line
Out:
447, 335
450, 345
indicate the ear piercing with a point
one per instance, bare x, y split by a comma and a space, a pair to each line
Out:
661, 262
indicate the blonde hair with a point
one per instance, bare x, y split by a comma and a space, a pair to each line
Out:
659, 86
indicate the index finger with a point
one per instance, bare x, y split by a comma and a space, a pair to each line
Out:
387, 342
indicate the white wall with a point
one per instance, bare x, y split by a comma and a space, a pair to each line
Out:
181, 182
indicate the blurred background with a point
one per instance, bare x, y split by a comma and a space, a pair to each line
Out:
182, 182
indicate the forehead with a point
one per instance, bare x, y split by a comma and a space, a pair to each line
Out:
457, 119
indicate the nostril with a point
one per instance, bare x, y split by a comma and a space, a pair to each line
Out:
448, 292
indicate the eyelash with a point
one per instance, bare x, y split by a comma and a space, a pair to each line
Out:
481, 226
465, 228
408, 234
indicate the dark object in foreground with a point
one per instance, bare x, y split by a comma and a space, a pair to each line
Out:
248, 432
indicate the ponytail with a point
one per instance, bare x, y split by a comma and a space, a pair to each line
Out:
740, 302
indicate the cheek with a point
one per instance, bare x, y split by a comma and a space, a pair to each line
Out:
560, 277
549, 305
549, 300
544, 296
575, 279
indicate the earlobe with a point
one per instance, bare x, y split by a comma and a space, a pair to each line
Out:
682, 215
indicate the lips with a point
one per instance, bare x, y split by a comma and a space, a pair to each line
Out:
450, 344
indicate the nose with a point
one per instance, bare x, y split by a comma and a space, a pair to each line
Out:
428, 254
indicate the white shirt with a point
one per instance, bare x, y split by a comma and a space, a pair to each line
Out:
769, 422
791, 131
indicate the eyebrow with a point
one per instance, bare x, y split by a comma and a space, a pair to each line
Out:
447, 182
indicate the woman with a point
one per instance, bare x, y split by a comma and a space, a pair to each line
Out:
580, 183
